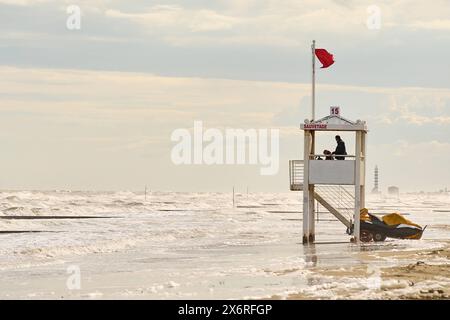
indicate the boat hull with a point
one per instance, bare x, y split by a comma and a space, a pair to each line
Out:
382, 231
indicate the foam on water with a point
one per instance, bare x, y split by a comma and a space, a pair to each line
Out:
187, 239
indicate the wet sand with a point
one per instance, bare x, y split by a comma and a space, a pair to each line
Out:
427, 277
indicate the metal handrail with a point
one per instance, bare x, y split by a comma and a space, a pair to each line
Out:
339, 197
312, 157
296, 170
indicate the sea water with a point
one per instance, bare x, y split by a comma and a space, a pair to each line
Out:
186, 245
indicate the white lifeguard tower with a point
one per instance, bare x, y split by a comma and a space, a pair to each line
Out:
338, 185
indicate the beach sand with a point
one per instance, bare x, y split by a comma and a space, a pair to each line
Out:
427, 278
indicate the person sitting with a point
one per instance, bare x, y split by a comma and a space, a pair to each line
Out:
328, 155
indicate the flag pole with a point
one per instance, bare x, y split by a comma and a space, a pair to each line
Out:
313, 99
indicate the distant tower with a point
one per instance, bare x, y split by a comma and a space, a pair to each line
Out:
375, 187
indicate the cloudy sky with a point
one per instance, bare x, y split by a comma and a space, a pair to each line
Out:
95, 108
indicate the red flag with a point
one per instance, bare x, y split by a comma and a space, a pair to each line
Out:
325, 57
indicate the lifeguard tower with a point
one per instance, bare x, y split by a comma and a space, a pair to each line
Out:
338, 185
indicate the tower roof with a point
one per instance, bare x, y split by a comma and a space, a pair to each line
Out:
334, 123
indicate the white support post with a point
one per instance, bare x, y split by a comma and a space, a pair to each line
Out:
313, 94
356, 218
311, 190
363, 169
306, 191
311, 216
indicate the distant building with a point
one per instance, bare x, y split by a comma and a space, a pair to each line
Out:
375, 189
393, 191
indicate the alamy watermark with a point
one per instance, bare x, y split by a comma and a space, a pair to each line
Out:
233, 146
373, 21
73, 22
374, 279
74, 280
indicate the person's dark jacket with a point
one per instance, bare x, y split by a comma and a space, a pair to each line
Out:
340, 150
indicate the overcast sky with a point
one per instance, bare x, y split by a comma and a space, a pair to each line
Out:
94, 108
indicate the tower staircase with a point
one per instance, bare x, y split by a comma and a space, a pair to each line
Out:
337, 199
